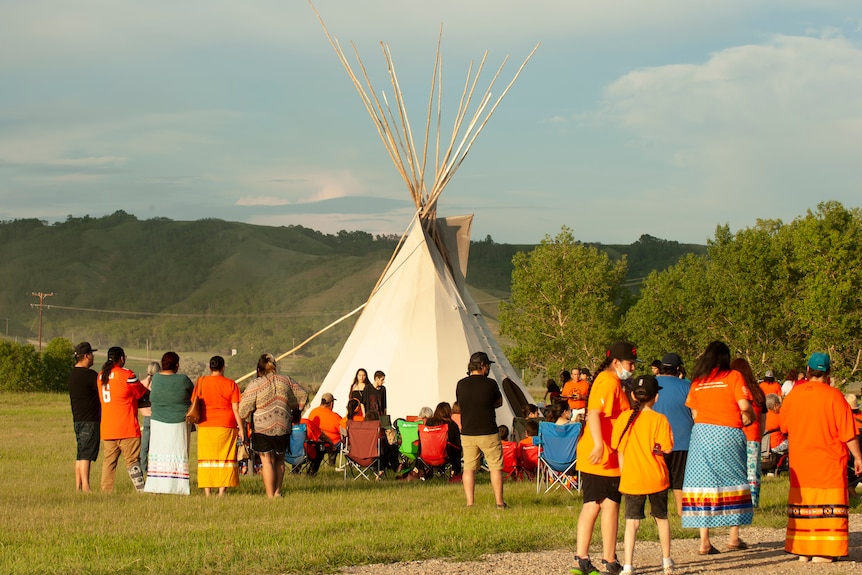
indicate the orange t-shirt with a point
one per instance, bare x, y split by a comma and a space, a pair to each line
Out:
218, 393
578, 388
643, 470
715, 398
753, 432
608, 398
771, 387
772, 423
120, 404
818, 423
327, 421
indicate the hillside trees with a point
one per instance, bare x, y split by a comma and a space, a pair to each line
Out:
774, 293
565, 305
22, 368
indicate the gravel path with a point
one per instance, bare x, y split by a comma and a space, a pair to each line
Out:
766, 556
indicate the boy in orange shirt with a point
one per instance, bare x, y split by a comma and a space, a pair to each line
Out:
641, 436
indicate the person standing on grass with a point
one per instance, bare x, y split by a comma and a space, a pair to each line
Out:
643, 437
479, 397
86, 413
597, 462
671, 404
120, 391
271, 399
820, 431
375, 395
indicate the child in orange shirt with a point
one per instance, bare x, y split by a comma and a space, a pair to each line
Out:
641, 436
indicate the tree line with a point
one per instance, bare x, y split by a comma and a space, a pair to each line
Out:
774, 292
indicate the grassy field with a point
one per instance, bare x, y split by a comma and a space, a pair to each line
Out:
322, 523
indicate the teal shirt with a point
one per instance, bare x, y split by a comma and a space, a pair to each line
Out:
171, 396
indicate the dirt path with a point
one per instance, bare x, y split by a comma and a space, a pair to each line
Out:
765, 557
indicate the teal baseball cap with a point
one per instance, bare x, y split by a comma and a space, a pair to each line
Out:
819, 361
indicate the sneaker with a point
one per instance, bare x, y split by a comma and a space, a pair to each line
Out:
628, 570
667, 565
584, 567
613, 568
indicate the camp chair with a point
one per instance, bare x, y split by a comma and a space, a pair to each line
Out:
557, 456
362, 451
770, 460
408, 445
528, 461
433, 440
296, 455
510, 460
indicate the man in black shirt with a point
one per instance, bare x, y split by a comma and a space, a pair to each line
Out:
86, 413
479, 396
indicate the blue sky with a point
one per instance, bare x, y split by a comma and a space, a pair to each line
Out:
665, 117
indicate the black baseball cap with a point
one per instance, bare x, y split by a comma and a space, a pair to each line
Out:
84, 348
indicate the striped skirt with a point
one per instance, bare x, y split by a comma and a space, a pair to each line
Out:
168, 461
217, 465
715, 491
817, 521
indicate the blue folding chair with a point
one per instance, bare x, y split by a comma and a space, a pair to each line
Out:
295, 454
557, 457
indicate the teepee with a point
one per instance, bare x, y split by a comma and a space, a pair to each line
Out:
420, 324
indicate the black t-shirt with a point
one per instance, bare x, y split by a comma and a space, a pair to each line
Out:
375, 399
478, 396
84, 395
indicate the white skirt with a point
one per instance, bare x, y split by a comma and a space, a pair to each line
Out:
168, 461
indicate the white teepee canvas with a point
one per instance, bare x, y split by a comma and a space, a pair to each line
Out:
420, 328
420, 325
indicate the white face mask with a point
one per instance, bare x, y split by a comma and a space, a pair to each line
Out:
623, 373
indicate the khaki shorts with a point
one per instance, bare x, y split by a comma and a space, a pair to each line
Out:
475, 446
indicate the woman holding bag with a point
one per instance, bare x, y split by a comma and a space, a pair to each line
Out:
218, 429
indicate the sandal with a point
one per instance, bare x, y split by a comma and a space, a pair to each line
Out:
711, 551
741, 546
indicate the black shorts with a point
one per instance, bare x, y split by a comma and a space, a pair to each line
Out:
657, 505
87, 438
270, 443
600, 487
675, 461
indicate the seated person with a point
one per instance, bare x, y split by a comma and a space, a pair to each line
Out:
559, 413
425, 414
354, 413
456, 414
325, 425
388, 444
531, 411
777, 440
532, 432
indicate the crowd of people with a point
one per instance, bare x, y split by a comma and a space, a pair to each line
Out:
643, 439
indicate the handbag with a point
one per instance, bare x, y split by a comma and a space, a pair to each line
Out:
193, 415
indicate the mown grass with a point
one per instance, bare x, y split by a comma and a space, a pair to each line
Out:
322, 523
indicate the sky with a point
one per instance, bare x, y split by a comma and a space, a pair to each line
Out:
666, 117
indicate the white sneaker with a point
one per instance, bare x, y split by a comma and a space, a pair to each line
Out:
667, 565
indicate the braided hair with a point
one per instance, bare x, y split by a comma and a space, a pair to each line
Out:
115, 354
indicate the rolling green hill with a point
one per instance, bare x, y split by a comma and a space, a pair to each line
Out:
214, 286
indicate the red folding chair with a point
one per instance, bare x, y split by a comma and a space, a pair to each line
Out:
510, 460
528, 460
362, 451
433, 440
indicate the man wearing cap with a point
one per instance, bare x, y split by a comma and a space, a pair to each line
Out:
820, 429
86, 413
479, 396
769, 385
326, 423
671, 404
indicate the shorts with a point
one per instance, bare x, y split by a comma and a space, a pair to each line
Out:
675, 461
277, 444
475, 446
597, 488
657, 505
87, 438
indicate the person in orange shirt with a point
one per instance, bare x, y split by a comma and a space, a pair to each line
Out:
575, 392
642, 436
597, 462
119, 392
820, 427
715, 490
769, 385
754, 432
777, 440
327, 423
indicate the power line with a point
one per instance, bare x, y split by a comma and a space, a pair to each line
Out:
201, 315
40, 305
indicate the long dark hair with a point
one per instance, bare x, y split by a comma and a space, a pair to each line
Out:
115, 354
741, 365
639, 396
716, 357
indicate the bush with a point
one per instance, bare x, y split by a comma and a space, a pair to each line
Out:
23, 369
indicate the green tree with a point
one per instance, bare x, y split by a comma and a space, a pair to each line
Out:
19, 367
57, 361
565, 304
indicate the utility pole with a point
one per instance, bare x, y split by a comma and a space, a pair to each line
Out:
40, 305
